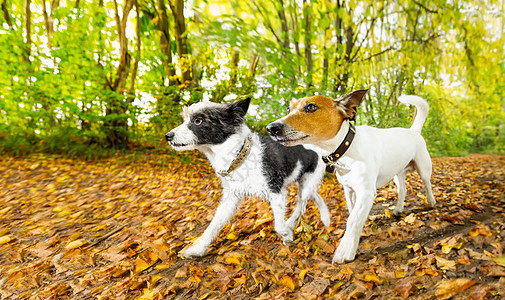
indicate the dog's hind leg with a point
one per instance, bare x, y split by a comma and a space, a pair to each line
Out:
424, 168
324, 212
402, 191
307, 191
310, 188
278, 203
299, 210
225, 210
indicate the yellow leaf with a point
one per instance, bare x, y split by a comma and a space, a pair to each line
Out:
287, 281
445, 264
387, 212
148, 295
416, 248
58, 208
410, 219
231, 236
74, 236
448, 288
500, 260
5, 210
75, 244
240, 278
161, 267
302, 274
5, 239
232, 259
77, 215
119, 214
3, 231
400, 274
473, 232
372, 277
62, 178
155, 278
446, 247
64, 213
141, 265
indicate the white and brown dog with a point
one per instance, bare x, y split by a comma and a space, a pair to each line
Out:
248, 164
363, 158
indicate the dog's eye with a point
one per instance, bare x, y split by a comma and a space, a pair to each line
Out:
197, 121
311, 107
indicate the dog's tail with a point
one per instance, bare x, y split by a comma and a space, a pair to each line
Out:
422, 110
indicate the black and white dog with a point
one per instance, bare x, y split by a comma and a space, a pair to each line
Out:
248, 164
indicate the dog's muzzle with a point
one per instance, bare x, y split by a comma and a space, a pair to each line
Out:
169, 136
275, 128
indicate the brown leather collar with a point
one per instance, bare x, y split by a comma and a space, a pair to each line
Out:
330, 159
246, 148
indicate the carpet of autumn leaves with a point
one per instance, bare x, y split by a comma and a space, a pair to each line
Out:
112, 229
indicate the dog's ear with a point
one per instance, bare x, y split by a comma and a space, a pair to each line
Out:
237, 110
350, 102
240, 107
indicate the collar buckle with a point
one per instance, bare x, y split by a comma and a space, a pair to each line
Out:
332, 158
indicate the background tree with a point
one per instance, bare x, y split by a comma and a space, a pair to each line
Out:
79, 75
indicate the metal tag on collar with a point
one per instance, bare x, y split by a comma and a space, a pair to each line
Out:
223, 173
330, 168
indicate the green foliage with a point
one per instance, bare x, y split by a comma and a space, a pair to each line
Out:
61, 98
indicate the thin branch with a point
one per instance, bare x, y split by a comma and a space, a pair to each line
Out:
268, 24
425, 8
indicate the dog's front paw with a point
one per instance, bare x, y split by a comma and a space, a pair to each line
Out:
397, 211
346, 251
287, 239
194, 251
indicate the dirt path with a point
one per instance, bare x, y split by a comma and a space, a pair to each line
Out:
113, 229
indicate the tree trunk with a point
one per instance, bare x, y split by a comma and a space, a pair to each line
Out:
165, 48
342, 79
49, 21
285, 28
6, 13
182, 43
28, 27
253, 64
116, 125
308, 46
234, 66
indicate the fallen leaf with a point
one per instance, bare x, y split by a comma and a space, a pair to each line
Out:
75, 244
324, 245
5, 239
287, 281
315, 289
410, 219
406, 287
445, 264
500, 260
492, 270
448, 288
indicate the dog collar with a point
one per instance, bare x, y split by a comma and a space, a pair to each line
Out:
330, 159
246, 148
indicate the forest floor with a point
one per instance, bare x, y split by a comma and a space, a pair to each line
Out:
113, 229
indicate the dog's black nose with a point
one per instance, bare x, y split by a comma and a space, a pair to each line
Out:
275, 128
169, 136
